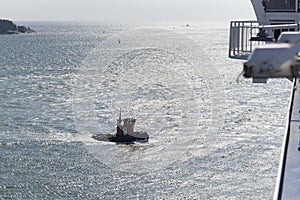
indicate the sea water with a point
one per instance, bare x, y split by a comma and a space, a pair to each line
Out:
211, 137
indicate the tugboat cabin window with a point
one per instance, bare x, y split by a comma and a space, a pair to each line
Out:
280, 5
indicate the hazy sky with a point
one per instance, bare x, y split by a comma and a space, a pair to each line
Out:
129, 10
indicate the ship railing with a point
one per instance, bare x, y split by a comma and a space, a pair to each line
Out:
240, 43
245, 36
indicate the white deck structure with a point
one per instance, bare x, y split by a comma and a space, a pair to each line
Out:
289, 171
275, 18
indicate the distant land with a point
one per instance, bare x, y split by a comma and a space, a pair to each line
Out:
8, 27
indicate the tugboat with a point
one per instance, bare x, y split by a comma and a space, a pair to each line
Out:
125, 133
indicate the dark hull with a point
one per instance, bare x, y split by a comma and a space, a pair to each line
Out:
129, 139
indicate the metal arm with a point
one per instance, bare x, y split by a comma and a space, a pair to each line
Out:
274, 61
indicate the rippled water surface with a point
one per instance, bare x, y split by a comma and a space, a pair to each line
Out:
210, 137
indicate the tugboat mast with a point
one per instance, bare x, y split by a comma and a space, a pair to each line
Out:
119, 126
119, 121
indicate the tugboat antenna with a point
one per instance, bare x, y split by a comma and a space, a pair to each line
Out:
119, 121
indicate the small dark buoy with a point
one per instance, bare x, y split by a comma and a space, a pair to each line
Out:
119, 41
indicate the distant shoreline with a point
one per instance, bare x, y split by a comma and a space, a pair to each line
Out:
7, 27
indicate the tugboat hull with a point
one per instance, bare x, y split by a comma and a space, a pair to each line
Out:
129, 139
